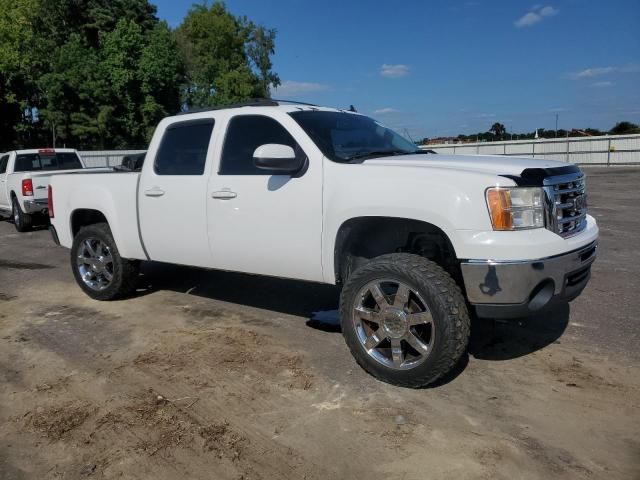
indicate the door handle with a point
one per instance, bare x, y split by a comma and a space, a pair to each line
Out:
224, 195
154, 192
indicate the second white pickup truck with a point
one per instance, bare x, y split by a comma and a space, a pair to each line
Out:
24, 178
414, 239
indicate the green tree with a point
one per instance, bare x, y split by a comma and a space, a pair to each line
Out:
622, 128
261, 46
101, 74
18, 72
71, 93
498, 130
213, 43
161, 72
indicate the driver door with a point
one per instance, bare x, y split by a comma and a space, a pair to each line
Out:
260, 221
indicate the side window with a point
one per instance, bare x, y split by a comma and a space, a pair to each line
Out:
245, 133
3, 164
183, 149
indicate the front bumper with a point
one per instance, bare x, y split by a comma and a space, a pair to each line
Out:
512, 289
40, 205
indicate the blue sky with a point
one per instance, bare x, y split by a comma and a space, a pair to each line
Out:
447, 67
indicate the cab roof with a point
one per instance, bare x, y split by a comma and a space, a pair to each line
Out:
267, 104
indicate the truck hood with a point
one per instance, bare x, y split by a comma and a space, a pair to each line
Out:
488, 164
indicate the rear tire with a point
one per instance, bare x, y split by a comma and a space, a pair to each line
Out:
22, 221
404, 319
97, 266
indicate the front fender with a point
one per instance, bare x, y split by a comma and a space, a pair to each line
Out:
452, 200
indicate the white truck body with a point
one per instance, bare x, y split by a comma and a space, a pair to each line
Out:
12, 177
254, 233
302, 225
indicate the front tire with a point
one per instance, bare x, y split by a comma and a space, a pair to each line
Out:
404, 319
98, 267
22, 221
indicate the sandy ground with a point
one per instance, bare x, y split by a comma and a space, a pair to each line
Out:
210, 375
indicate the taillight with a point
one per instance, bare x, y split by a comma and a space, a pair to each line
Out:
50, 201
27, 188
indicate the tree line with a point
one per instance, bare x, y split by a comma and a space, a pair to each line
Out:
499, 132
100, 74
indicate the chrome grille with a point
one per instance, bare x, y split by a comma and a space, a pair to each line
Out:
566, 198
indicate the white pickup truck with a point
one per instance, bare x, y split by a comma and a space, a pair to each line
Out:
24, 178
414, 239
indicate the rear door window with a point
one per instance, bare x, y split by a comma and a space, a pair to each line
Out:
4, 160
32, 162
183, 149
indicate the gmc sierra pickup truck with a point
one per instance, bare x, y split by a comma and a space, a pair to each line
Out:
414, 239
24, 178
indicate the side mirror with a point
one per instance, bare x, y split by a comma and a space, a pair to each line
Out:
274, 156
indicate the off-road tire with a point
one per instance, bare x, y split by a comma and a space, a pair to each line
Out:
125, 272
22, 221
445, 301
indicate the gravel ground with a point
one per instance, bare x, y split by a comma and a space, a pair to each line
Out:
229, 376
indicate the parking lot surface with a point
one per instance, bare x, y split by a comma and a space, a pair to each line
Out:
219, 375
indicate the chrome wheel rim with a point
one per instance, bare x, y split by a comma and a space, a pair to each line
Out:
95, 264
393, 324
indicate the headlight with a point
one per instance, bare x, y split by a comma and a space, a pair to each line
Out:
515, 208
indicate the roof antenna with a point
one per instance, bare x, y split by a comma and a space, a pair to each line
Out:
352, 108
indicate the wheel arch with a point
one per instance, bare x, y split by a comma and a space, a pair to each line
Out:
82, 217
359, 239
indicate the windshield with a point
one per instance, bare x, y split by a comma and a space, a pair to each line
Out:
29, 162
347, 137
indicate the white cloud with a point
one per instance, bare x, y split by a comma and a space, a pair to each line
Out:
528, 19
602, 84
557, 110
548, 11
394, 71
600, 71
383, 111
594, 72
534, 16
290, 87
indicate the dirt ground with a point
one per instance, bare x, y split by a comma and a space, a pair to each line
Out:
211, 375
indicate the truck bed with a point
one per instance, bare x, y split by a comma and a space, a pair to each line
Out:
114, 193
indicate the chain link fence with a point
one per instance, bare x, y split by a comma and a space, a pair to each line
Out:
604, 150
105, 158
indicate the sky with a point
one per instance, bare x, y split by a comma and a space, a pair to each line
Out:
437, 68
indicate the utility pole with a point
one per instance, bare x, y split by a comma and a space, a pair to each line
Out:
556, 125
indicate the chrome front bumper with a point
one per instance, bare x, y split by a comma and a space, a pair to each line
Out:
510, 289
40, 205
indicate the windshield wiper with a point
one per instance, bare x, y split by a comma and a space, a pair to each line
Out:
376, 153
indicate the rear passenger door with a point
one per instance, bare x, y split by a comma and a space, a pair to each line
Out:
173, 194
261, 221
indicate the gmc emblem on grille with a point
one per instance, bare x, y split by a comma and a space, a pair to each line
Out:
580, 203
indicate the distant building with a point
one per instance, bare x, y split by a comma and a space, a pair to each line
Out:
579, 133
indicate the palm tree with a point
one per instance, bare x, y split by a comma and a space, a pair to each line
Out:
498, 130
